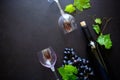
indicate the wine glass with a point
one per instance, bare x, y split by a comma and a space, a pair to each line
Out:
47, 58
66, 21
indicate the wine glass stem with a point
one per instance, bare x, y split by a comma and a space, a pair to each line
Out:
59, 6
55, 75
53, 69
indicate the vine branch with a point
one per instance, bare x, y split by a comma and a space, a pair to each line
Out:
104, 27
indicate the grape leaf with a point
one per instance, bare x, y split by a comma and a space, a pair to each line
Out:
70, 8
68, 72
105, 40
96, 28
98, 21
70, 69
82, 4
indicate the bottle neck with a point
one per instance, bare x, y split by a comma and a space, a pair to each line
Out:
87, 34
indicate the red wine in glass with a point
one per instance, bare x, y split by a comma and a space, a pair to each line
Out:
47, 58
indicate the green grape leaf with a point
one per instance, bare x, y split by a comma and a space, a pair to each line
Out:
82, 4
96, 28
98, 21
105, 40
70, 8
63, 73
68, 72
70, 69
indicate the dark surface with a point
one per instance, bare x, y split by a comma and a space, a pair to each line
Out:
28, 26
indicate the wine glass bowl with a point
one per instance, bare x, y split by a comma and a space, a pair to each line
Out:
47, 57
67, 23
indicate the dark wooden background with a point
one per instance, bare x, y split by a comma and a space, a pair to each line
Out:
28, 26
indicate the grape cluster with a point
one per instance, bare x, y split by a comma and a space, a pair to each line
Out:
83, 66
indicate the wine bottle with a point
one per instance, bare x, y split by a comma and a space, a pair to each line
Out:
94, 53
